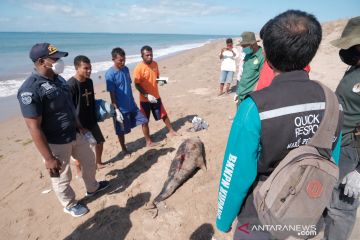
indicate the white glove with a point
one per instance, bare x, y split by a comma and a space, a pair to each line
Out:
352, 181
151, 98
236, 98
119, 116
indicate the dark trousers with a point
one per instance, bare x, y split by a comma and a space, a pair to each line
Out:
248, 215
340, 215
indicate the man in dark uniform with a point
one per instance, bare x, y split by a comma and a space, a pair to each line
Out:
341, 214
49, 114
272, 121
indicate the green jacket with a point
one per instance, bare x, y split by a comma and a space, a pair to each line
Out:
252, 66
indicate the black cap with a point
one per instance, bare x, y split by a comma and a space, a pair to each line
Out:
43, 50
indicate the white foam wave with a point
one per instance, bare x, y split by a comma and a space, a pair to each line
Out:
10, 87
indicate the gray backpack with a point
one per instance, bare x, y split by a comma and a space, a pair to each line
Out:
294, 196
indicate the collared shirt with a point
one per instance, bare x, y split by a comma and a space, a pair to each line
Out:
250, 75
50, 99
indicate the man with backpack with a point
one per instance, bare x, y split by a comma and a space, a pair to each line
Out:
272, 122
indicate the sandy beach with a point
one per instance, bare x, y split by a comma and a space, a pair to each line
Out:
119, 213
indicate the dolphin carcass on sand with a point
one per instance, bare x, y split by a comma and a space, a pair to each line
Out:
189, 157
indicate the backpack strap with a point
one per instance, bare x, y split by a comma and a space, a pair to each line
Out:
323, 137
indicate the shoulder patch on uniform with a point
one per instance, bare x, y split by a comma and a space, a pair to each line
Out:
26, 97
256, 61
356, 88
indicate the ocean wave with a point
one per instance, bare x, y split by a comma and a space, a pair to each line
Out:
10, 87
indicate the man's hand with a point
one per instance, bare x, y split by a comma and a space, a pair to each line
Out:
151, 98
119, 116
218, 235
352, 181
53, 165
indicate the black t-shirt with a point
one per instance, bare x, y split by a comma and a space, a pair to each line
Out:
84, 101
50, 99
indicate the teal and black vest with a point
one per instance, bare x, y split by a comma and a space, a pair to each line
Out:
290, 110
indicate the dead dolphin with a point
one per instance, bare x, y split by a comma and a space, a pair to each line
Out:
189, 157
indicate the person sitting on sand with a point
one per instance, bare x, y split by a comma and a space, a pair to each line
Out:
145, 75
118, 84
82, 91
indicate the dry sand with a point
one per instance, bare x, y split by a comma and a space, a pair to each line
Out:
27, 213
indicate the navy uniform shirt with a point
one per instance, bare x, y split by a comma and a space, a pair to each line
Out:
40, 96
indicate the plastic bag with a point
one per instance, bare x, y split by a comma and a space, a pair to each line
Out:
199, 124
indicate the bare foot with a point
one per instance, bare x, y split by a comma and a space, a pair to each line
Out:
173, 134
151, 144
220, 93
127, 154
100, 166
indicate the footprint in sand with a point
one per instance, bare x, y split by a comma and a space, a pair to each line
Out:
200, 91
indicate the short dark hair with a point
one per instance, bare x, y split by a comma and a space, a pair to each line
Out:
229, 40
117, 51
263, 29
147, 48
79, 59
291, 40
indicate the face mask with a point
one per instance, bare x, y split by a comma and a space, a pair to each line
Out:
350, 56
58, 66
247, 50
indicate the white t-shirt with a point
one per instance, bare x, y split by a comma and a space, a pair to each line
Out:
229, 60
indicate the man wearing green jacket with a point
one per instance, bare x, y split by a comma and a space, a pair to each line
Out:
253, 62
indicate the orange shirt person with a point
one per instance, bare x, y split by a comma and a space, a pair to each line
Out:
267, 75
145, 75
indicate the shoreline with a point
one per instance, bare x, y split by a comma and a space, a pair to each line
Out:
10, 104
120, 213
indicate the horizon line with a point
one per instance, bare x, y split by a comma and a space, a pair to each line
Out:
196, 34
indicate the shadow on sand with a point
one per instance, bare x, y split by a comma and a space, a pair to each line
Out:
156, 137
204, 232
112, 222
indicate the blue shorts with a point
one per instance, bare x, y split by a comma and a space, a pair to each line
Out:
226, 76
157, 109
131, 120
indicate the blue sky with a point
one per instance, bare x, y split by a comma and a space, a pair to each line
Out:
159, 16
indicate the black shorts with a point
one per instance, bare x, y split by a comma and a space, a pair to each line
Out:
96, 132
157, 109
